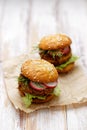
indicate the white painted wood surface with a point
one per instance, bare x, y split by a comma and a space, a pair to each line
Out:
24, 22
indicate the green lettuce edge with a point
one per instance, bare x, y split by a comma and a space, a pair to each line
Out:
71, 60
57, 91
27, 99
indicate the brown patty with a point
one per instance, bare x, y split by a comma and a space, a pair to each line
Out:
28, 89
36, 100
48, 98
56, 60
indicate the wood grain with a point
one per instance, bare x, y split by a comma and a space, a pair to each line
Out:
22, 24
14, 28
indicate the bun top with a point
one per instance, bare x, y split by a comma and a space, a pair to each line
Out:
54, 42
39, 71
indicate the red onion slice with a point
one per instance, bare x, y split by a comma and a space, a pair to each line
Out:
37, 86
66, 50
51, 84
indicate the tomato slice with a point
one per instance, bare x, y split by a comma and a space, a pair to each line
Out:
66, 50
37, 86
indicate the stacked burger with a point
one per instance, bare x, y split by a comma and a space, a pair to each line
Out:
38, 82
56, 49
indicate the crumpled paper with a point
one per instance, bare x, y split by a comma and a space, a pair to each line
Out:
73, 86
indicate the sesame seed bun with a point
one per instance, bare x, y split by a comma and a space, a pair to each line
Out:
54, 42
39, 71
66, 69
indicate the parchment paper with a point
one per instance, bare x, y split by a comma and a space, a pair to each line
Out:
73, 86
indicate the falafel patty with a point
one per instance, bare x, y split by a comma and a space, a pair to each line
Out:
26, 88
55, 57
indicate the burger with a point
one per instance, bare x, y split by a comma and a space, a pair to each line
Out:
56, 50
38, 82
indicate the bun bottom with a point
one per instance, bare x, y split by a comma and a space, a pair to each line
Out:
66, 69
38, 101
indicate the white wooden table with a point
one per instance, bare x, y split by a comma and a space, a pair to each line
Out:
24, 22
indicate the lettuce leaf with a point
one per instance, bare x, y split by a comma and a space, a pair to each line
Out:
56, 91
27, 99
23, 80
55, 53
71, 60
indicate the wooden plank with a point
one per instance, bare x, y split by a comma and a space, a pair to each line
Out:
2, 3
72, 17
77, 117
9, 118
14, 42
48, 119
14, 28
42, 23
